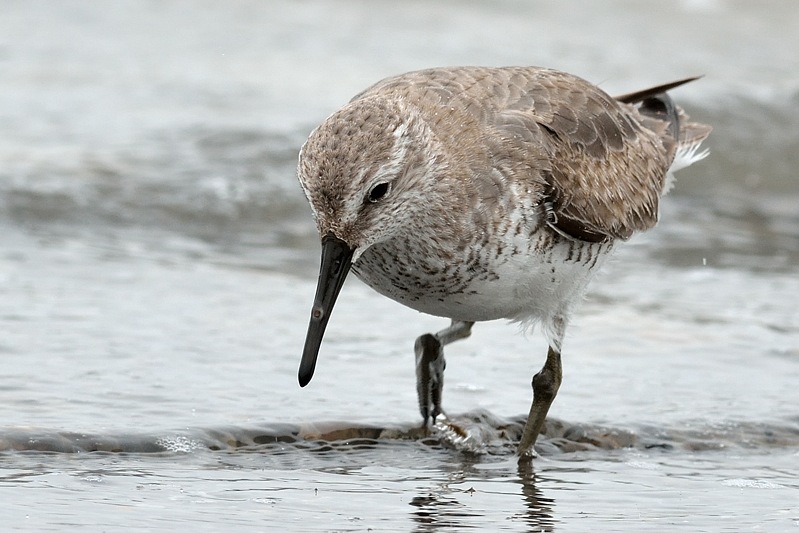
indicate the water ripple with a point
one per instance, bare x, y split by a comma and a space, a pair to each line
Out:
477, 433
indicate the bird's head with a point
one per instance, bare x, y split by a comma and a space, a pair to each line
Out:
366, 172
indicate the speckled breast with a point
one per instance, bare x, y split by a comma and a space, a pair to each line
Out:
483, 282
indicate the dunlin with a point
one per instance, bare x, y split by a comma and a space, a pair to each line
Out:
485, 193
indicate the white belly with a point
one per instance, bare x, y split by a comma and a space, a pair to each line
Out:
537, 284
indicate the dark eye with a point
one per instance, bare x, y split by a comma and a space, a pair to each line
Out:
378, 191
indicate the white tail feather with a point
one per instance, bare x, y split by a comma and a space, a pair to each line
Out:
686, 155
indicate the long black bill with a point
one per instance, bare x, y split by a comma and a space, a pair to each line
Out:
336, 261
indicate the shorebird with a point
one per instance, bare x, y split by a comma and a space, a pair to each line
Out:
478, 194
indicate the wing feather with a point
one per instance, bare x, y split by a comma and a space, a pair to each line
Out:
598, 164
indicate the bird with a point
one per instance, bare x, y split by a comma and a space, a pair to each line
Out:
485, 193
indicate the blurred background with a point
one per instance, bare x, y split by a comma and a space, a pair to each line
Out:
187, 116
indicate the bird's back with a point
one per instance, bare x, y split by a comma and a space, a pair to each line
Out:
600, 164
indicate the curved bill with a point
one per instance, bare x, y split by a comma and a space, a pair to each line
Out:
336, 262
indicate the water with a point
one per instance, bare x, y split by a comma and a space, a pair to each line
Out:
158, 262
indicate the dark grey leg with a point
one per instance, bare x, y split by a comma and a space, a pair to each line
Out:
545, 387
430, 366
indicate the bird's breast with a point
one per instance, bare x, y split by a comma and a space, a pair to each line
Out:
524, 277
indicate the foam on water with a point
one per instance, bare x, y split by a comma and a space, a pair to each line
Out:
478, 433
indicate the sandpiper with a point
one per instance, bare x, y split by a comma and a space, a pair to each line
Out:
479, 193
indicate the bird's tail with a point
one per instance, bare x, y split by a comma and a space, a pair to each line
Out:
682, 137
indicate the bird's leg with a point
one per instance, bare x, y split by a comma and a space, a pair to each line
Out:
545, 388
430, 366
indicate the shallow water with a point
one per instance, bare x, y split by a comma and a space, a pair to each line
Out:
158, 262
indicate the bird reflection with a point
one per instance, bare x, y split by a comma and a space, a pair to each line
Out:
540, 515
447, 506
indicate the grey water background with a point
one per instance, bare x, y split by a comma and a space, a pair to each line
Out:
158, 263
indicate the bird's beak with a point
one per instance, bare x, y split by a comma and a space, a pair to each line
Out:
336, 262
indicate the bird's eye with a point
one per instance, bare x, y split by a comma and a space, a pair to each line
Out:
378, 191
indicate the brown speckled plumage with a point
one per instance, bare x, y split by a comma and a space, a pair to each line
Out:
481, 193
